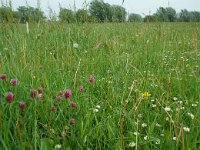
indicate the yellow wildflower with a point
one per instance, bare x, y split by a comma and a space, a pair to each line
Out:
146, 94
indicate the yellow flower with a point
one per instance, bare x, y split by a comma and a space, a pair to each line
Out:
146, 94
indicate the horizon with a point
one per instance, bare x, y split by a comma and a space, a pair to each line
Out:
144, 7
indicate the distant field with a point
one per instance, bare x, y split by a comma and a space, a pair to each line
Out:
133, 86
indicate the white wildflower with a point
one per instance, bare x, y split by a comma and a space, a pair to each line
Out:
186, 129
144, 125
175, 98
167, 109
75, 45
145, 138
191, 115
95, 110
63, 134
153, 105
157, 141
58, 146
194, 105
132, 144
182, 108
180, 102
167, 118
158, 125
98, 107
109, 82
139, 115
174, 138
136, 133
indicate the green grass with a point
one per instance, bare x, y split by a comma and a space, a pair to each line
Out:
126, 61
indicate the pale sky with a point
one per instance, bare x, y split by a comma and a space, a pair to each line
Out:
132, 6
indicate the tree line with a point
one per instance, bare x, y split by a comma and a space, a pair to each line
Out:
97, 11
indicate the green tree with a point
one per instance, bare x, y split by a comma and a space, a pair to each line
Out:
167, 14
195, 16
185, 16
171, 14
30, 14
150, 18
66, 15
6, 14
82, 16
38, 15
134, 18
100, 10
119, 13
108, 11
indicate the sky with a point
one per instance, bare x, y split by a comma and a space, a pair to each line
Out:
142, 7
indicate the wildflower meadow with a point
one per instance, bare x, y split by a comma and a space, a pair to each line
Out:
108, 86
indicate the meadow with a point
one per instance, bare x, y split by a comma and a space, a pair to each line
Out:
102, 86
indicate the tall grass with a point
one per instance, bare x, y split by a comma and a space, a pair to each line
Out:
126, 61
